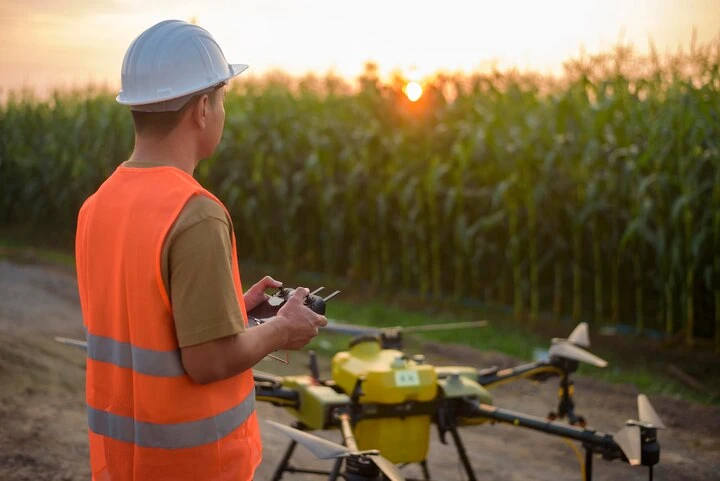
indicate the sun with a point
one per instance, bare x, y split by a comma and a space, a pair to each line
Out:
413, 90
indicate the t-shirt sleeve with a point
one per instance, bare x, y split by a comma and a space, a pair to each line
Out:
202, 291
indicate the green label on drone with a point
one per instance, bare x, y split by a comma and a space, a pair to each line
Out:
407, 378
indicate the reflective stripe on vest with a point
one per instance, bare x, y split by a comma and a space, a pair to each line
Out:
124, 354
170, 436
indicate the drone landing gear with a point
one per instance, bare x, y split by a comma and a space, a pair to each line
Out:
446, 423
335, 473
284, 462
286, 467
566, 406
461, 452
426, 472
587, 467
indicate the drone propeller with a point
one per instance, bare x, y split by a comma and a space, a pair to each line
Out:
563, 348
629, 438
648, 417
324, 449
580, 335
570, 348
321, 448
353, 330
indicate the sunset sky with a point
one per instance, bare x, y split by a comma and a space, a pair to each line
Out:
51, 42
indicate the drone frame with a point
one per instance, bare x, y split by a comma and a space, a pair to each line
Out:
449, 413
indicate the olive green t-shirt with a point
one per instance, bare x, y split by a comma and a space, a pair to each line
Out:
196, 263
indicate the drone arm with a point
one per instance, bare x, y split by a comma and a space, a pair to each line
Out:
538, 370
346, 430
276, 395
600, 442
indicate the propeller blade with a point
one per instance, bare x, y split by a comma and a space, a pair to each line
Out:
72, 342
387, 467
340, 328
580, 335
570, 351
443, 327
321, 448
628, 438
354, 330
647, 413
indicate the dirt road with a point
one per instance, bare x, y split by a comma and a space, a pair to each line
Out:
43, 425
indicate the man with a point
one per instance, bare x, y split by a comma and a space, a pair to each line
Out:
170, 391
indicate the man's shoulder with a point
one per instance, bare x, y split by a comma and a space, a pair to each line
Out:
201, 208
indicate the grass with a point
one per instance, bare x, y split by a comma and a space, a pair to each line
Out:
18, 253
23, 244
502, 334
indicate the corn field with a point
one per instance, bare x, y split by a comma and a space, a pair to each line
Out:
595, 195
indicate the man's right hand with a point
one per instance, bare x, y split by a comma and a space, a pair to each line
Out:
293, 327
297, 322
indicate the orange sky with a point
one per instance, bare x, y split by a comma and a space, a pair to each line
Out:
52, 42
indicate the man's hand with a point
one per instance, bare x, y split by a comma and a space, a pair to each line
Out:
256, 294
293, 327
298, 324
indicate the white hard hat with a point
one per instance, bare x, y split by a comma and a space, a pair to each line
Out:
169, 63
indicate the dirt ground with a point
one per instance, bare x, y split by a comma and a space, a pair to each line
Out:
43, 424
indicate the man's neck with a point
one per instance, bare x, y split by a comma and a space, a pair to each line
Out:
171, 151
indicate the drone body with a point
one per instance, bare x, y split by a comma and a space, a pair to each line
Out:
386, 377
384, 401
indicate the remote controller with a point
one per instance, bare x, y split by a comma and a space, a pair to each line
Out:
272, 305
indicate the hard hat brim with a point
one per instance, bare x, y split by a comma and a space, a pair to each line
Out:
235, 70
238, 68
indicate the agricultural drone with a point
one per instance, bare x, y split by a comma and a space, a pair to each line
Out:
384, 403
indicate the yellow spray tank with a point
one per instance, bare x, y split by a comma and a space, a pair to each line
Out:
388, 377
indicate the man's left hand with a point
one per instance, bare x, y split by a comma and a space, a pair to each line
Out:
256, 294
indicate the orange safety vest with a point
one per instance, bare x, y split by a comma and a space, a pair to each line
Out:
147, 419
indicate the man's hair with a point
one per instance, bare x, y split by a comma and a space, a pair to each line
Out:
160, 124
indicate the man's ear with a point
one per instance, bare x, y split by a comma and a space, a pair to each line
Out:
201, 110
